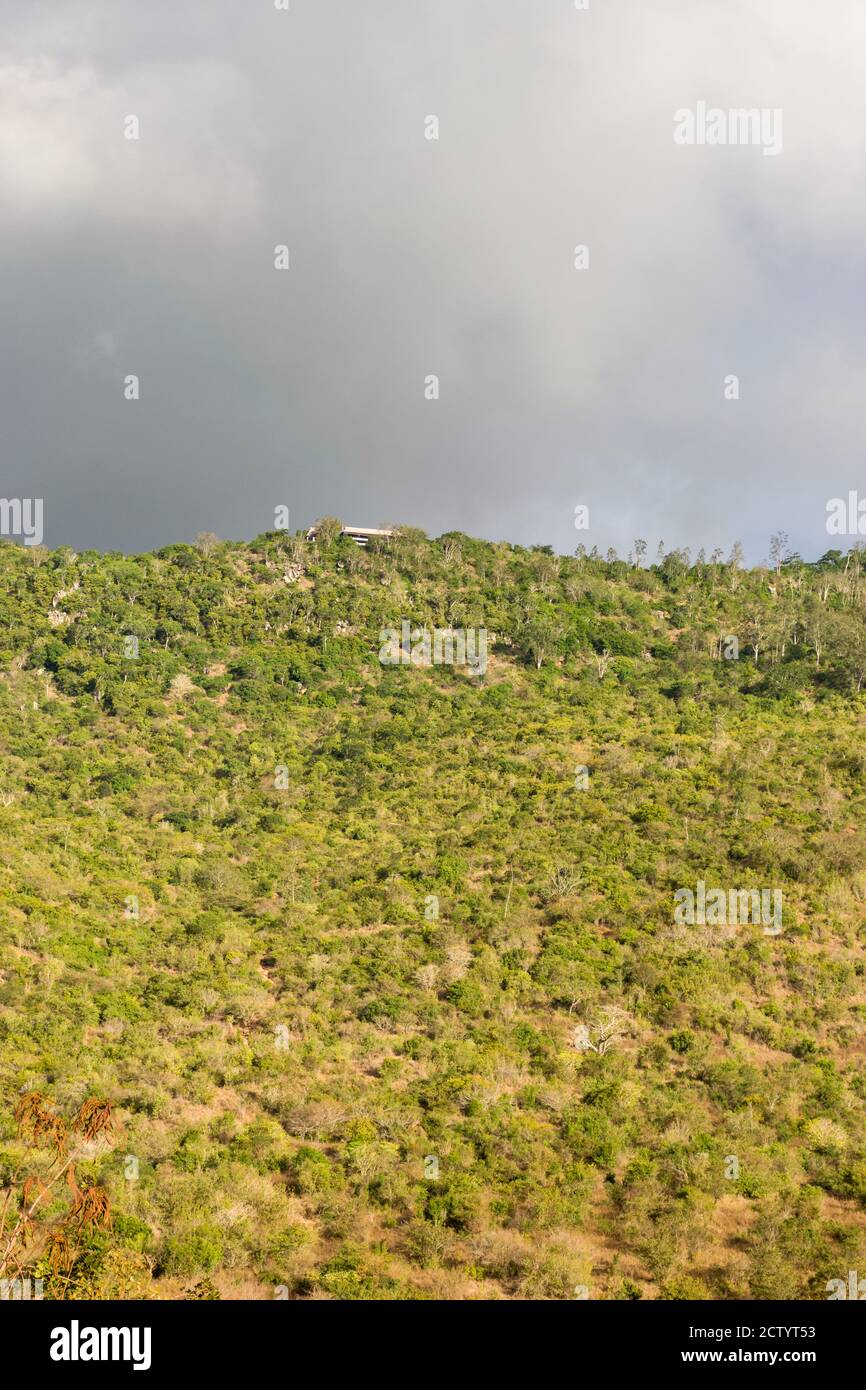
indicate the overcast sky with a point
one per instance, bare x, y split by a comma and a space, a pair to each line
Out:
411, 257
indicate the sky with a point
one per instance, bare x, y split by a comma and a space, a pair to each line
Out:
410, 257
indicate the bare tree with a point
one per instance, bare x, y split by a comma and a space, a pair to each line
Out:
561, 884
206, 542
756, 631
778, 548
608, 1026
602, 661
814, 633
735, 561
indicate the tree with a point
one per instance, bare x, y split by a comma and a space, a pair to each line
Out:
852, 648
539, 635
778, 550
327, 529
608, 1026
206, 542
602, 662
756, 627
48, 1133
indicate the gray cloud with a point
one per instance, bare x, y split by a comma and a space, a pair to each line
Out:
411, 257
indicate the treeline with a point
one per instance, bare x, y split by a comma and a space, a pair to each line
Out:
121, 629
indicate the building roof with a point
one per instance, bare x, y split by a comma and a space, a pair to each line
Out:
361, 534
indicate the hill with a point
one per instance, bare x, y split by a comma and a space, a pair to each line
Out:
381, 964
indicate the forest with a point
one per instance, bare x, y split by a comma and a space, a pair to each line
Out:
323, 977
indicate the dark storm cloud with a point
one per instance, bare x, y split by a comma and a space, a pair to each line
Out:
411, 257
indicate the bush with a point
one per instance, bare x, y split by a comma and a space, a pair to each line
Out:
199, 1251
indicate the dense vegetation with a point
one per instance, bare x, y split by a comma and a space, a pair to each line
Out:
377, 967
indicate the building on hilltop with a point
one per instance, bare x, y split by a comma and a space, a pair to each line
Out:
361, 535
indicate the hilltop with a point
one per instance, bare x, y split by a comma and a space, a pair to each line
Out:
377, 962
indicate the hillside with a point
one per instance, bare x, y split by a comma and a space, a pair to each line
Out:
378, 965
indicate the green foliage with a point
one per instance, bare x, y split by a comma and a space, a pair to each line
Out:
378, 964
199, 1251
